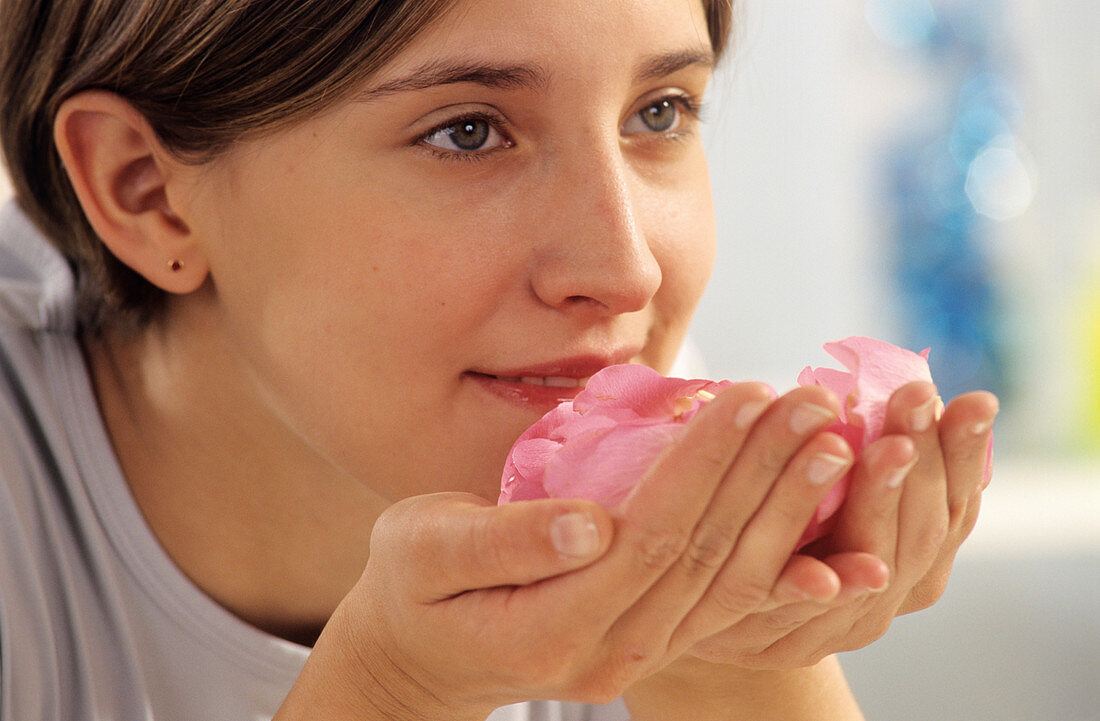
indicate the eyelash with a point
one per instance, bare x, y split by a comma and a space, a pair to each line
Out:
689, 104
692, 105
468, 156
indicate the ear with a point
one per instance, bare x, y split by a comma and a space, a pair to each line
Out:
122, 176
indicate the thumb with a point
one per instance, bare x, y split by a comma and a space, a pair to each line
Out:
462, 542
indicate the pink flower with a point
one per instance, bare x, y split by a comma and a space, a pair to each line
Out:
875, 370
599, 445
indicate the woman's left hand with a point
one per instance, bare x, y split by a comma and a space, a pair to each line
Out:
913, 499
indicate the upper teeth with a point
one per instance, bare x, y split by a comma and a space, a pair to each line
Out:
555, 381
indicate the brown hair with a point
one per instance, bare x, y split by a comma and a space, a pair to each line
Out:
204, 73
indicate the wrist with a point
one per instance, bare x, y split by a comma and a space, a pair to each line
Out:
708, 691
349, 676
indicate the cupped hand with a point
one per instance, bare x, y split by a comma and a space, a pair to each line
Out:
914, 498
466, 606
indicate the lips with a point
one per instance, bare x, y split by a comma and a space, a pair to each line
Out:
542, 386
550, 381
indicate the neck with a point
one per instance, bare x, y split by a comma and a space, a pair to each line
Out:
248, 511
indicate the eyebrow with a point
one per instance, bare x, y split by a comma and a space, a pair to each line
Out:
660, 65
506, 77
524, 75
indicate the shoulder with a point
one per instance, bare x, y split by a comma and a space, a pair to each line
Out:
35, 311
33, 281
36, 316
36, 284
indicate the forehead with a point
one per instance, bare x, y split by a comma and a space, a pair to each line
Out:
557, 38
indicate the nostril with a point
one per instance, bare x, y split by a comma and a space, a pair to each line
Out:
584, 300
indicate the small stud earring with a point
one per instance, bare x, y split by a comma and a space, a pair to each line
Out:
176, 266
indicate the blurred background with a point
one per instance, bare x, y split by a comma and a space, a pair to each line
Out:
928, 172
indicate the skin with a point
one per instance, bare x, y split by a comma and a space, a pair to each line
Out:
305, 409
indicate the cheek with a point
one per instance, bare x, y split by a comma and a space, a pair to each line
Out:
348, 320
683, 240
682, 237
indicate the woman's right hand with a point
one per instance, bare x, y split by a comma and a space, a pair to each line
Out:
466, 606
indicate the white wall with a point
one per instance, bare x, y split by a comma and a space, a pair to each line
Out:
785, 145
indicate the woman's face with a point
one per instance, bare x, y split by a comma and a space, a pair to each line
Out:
519, 199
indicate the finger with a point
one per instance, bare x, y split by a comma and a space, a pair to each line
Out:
470, 544
807, 588
689, 512
805, 579
859, 574
868, 520
748, 578
657, 518
966, 431
922, 514
699, 536
934, 582
810, 628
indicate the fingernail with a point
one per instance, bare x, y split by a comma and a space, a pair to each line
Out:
574, 535
921, 417
980, 428
898, 475
748, 413
808, 416
824, 467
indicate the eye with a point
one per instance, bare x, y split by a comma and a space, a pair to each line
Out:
466, 135
666, 115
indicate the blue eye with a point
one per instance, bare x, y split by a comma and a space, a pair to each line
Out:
466, 135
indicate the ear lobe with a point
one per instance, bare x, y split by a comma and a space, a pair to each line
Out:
121, 174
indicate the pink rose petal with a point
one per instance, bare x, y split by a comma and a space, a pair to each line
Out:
600, 444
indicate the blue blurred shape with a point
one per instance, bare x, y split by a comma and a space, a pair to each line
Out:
902, 23
948, 172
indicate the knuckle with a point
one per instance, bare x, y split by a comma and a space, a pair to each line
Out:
929, 542
927, 593
772, 460
864, 634
742, 598
556, 666
783, 623
969, 520
606, 681
793, 516
957, 508
394, 535
489, 544
709, 547
713, 460
659, 548
633, 661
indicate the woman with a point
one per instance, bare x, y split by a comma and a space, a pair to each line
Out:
330, 259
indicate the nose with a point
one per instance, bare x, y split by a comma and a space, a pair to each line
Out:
593, 257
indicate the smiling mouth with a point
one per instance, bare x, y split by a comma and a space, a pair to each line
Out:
547, 381
541, 386
540, 393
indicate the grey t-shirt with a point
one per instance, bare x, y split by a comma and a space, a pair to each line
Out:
96, 622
